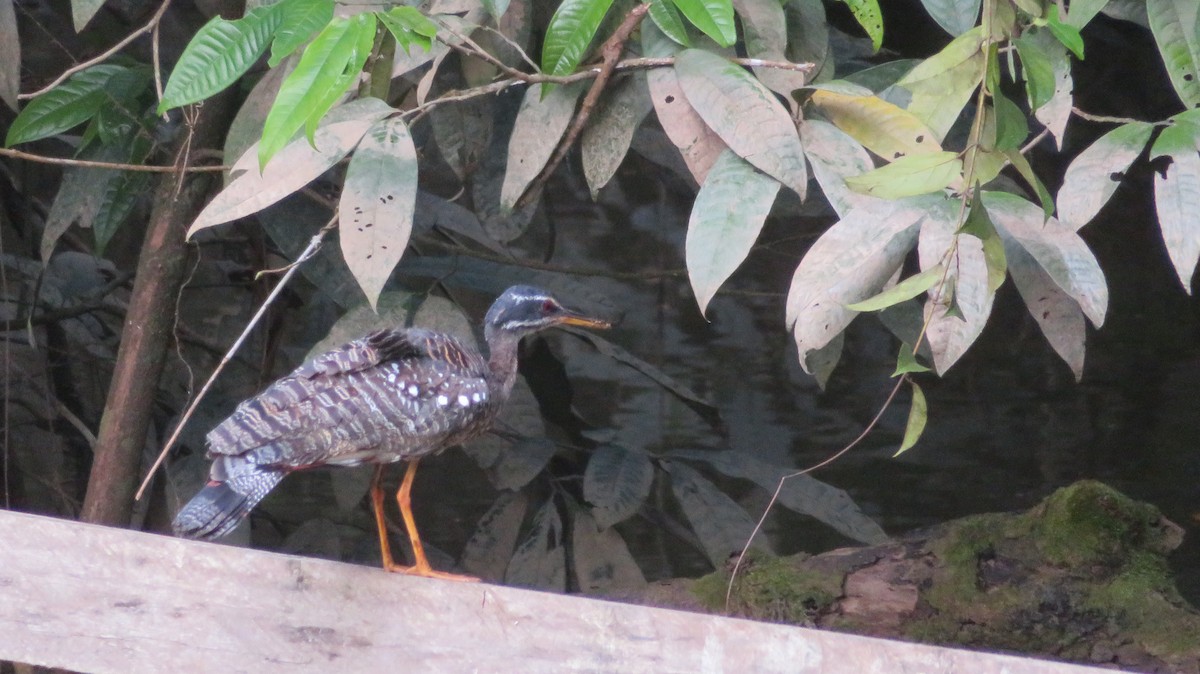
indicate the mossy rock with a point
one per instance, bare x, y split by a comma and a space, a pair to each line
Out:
1081, 576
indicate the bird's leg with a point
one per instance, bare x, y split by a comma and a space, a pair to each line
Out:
422, 567
385, 550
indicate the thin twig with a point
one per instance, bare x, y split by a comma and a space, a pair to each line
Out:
610, 53
150, 25
779, 488
87, 163
313, 246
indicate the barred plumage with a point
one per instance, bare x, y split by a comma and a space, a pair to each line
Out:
393, 395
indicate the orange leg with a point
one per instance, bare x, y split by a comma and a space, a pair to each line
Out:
404, 500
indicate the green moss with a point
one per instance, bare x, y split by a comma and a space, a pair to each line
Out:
1143, 602
776, 589
1091, 523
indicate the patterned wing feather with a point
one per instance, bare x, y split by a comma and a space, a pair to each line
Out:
391, 395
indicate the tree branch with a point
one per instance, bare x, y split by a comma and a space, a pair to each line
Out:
62, 161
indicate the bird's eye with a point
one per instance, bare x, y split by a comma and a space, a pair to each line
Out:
549, 307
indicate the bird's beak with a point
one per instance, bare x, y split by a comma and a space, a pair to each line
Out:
572, 318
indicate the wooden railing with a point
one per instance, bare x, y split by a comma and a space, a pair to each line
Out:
97, 599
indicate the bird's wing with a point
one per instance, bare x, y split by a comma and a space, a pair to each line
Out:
392, 394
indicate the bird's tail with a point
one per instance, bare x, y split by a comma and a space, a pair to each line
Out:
234, 488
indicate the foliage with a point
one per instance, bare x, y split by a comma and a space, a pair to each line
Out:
919, 161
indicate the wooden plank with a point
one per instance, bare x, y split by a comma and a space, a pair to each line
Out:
97, 599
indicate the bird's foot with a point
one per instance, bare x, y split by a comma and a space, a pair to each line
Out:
427, 571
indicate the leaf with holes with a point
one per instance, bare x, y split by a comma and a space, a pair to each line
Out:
601, 559
540, 561
714, 18
1057, 315
803, 494
1056, 247
867, 13
1095, 173
377, 204
571, 30
909, 176
1174, 25
219, 53
299, 164
745, 114
726, 218
722, 526
850, 262
326, 70
698, 145
888, 131
616, 483
540, 124
1177, 197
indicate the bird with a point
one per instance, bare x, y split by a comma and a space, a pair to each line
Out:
397, 394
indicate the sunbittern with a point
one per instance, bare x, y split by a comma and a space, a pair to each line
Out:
394, 395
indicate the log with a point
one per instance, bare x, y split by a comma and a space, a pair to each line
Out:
99, 599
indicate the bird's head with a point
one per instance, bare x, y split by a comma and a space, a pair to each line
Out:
523, 310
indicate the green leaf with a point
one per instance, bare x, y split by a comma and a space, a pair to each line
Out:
904, 290
714, 18
1057, 111
1022, 165
409, 26
570, 32
918, 415
909, 176
943, 83
980, 226
867, 13
727, 216
1065, 33
220, 53
300, 19
616, 483
1038, 71
1011, 126
906, 362
121, 195
664, 15
745, 114
955, 16
378, 203
1094, 174
64, 107
326, 70
1174, 24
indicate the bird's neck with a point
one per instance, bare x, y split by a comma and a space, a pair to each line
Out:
502, 361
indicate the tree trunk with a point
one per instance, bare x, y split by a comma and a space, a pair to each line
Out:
146, 335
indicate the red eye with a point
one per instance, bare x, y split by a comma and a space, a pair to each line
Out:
549, 307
